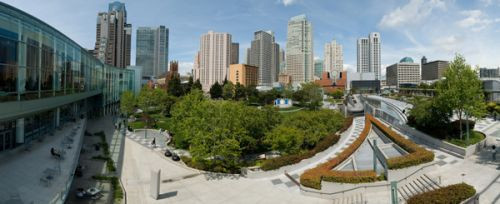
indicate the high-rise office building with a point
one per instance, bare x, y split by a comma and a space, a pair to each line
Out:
334, 59
405, 72
433, 70
318, 68
152, 50
264, 54
368, 54
113, 36
214, 58
235, 53
282, 61
299, 50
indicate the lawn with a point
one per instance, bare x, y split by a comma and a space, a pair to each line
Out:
474, 138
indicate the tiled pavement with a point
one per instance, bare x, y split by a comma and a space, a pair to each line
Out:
146, 139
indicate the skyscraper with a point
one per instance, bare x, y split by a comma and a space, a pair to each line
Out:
334, 59
152, 50
213, 58
113, 36
264, 54
299, 50
318, 68
368, 54
235, 53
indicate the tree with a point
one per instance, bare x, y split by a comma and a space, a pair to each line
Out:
430, 116
285, 139
461, 91
228, 91
312, 96
127, 102
216, 91
239, 92
252, 95
197, 85
189, 85
174, 86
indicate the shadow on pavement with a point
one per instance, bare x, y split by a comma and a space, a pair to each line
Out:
167, 195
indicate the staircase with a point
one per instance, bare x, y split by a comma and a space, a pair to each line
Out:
353, 199
417, 186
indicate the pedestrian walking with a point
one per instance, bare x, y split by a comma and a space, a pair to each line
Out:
153, 143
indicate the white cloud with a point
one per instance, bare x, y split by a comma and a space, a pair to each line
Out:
185, 67
349, 67
475, 20
287, 2
411, 13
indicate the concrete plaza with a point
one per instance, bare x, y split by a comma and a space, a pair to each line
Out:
180, 184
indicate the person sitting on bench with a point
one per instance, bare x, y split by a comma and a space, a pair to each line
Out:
54, 153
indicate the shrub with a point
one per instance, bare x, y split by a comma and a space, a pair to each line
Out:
417, 154
452, 194
312, 177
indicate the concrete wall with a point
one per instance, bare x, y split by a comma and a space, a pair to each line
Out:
444, 146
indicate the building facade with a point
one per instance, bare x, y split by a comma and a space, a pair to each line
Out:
113, 36
235, 53
433, 70
152, 50
334, 59
368, 54
246, 75
489, 73
264, 54
299, 50
318, 68
47, 80
214, 58
406, 72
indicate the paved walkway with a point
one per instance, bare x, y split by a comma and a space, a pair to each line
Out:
184, 185
91, 166
22, 172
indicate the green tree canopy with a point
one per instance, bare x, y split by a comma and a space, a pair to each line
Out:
216, 91
197, 85
461, 91
175, 87
228, 91
239, 92
127, 102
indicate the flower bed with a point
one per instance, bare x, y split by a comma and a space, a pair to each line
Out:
417, 154
324, 144
312, 177
450, 194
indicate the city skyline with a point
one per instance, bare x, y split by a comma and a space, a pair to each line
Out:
471, 26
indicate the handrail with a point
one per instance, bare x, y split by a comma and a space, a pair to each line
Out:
302, 188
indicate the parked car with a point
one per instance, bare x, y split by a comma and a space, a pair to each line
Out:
176, 157
168, 153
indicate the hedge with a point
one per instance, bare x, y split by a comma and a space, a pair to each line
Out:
325, 143
417, 154
312, 177
452, 194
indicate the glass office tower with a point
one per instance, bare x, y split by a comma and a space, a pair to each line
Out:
46, 79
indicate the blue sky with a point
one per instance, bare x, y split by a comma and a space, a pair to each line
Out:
435, 28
